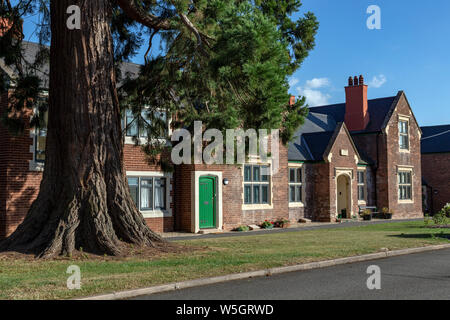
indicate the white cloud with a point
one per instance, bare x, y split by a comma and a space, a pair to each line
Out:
314, 96
317, 83
378, 81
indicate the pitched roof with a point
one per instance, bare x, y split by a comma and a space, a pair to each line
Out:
435, 139
378, 109
31, 49
311, 138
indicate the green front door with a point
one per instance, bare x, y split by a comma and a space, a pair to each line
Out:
207, 199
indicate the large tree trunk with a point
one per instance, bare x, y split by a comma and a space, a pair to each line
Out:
84, 199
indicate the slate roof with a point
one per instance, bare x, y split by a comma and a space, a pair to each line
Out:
30, 49
312, 138
436, 139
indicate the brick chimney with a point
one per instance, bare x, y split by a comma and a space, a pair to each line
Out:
356, 106
292, 100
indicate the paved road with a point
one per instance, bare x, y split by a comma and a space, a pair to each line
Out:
417, 276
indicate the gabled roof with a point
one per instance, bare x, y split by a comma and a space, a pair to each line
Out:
30, 49
436, 139
311, 138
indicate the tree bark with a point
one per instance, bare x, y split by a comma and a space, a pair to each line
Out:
84, 200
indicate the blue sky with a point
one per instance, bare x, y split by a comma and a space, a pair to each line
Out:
411, 53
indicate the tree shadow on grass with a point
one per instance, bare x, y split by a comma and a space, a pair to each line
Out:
440, 235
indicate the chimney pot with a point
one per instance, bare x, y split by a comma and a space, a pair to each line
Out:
361, 80
350, 82
355, 81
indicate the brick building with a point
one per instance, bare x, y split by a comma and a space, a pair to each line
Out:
435, 167
361, 152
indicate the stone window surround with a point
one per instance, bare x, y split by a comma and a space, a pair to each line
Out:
406, 169
407, 119
363, 202
156, 174
297, 204
254, 160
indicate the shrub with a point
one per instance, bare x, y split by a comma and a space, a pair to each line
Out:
446, 210
243, 229
367, 212
440, 218
267, 225
280, 223
385, 210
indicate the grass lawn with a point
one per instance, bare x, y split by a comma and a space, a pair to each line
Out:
33, 279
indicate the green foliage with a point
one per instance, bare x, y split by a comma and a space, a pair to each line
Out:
243, 229
441, 219
236, 77
267, 225
446, 210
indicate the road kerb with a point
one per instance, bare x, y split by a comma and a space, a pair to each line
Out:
261, 273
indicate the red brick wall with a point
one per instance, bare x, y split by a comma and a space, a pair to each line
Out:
4, 151
232, 201
22, 186
436, 172
395, 158
19, 186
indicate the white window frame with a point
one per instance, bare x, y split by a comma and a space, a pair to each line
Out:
404, 119
258, 206
301, 184
154, 213
411, 184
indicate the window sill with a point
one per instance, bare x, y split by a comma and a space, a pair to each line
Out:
362, 202
248, 207
296, 205
404, 151
406, 202
156, 214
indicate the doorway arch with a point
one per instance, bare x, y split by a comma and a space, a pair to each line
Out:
344, 193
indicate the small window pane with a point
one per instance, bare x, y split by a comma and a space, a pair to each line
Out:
292, 175
133, 183
265, 174
132, 125
299, 175
256, 194
292, 194
256, 174
248, 194
298, 193
248, 173
160, 194
146, 194
265, 194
